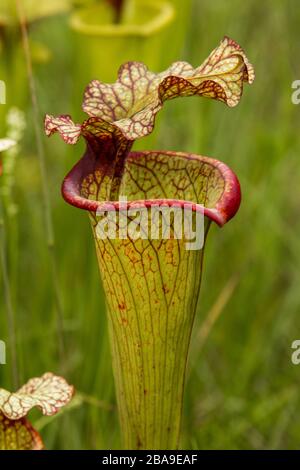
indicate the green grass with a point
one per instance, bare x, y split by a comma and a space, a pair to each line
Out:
242, 389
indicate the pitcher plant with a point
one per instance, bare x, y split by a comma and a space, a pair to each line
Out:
151, 281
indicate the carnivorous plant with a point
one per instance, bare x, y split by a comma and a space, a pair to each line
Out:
151, 282
49, 393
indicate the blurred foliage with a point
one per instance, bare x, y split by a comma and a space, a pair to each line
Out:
34, 9
242, 389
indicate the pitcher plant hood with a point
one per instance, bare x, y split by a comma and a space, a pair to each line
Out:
122, 112
49, 393
128, 107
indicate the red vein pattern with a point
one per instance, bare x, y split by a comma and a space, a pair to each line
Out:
129, 106
49, 393
157, 177
151, 285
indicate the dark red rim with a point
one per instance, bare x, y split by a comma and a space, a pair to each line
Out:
224, 210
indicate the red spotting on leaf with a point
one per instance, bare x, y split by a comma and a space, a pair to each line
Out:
18, 435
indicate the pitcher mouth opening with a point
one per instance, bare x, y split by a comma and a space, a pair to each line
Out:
221, 212
155, 16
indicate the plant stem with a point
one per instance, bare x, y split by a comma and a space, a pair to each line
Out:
43, 172
127, 11
9, 305
118, 6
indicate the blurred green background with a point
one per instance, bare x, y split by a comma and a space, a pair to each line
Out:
242, 390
